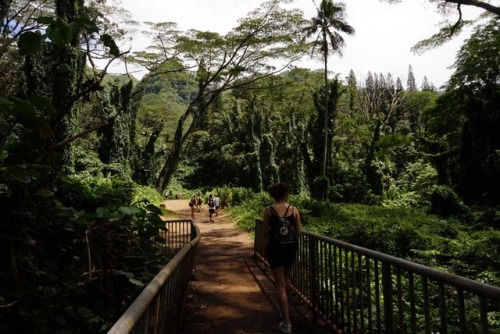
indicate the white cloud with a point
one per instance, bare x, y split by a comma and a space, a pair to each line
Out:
384, 33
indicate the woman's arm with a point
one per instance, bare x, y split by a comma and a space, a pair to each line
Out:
265, 224
297, 220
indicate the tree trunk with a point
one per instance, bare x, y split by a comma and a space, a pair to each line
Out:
172, 162
121, 141
145, 173
325, 129
199, 106
372, 177
42, 78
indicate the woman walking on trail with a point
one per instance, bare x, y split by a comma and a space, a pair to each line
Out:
217, 204
192, 204
199, 202
281, 229
211, 208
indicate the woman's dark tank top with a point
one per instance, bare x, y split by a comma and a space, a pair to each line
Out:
274, 219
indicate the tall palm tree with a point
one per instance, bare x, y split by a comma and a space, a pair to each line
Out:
327, 26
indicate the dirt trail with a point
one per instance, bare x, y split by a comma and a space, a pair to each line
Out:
229, 292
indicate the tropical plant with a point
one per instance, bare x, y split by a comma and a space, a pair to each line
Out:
328, 26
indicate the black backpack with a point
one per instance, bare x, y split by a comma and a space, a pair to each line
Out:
284, 232
211, 202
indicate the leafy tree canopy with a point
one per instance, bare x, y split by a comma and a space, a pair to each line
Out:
444, 5
453, 27
478, 61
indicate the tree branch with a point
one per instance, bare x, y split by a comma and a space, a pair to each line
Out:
66, 141
457, 24
477, 3
9, 305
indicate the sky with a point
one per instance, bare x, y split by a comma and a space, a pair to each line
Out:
382, 42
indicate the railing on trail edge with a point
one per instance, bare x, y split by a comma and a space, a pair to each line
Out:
158, 308
357, 290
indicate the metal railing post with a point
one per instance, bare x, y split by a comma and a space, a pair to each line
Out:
313, 276
158, 306
387, 295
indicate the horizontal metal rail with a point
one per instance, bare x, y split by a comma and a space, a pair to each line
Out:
358, 290
158, 308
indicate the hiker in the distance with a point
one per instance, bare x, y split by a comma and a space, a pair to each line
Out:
211, 208
281, 231
199, 203
217, 205
192, 204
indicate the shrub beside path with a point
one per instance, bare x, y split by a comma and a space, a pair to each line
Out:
228, 292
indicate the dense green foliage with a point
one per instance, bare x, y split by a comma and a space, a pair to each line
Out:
470, 250
78, 265
327, 27
77, 235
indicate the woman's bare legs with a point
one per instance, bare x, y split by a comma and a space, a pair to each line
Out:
288, 284
280, 279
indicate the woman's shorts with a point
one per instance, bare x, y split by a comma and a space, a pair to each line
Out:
281, 258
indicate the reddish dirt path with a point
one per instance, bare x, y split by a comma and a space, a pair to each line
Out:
228, 292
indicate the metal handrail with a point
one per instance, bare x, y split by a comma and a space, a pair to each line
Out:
358, 290
158, 308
